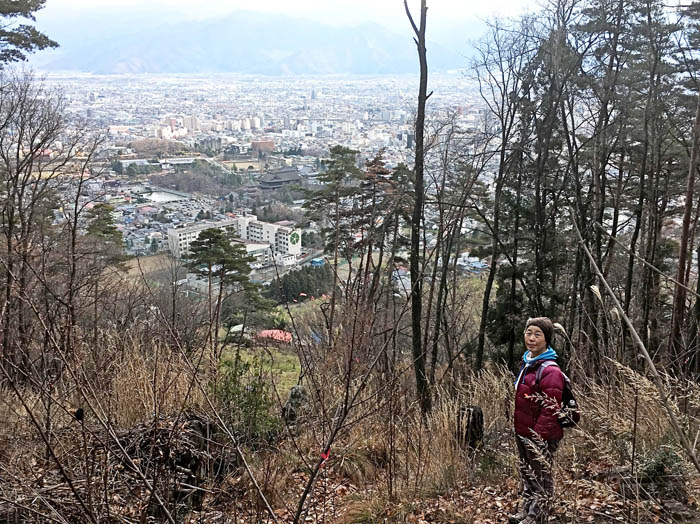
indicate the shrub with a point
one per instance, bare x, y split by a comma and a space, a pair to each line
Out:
243, 393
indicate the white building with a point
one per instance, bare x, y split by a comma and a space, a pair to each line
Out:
192, 123
258, 250
281, 240
180, 238
285, 260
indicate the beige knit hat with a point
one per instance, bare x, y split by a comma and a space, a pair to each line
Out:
545, 324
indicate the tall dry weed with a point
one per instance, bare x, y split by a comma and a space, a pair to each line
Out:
148, 385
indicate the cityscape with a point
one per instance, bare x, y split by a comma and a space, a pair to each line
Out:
270, 136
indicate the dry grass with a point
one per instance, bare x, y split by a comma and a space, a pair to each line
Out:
388, 464
429, 464
623, 411
158, 383
139, 266
122, 389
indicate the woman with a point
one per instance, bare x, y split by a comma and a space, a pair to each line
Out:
538, 392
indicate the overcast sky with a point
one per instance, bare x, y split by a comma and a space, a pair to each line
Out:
441, 13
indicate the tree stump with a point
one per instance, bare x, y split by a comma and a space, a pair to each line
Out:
470, 427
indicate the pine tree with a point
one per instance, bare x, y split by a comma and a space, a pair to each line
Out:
226, 267
101, 224
332, 205
19, 39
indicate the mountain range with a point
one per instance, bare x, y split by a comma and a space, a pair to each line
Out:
242, 42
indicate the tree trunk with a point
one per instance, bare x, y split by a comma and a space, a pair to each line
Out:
416, 276
679, 296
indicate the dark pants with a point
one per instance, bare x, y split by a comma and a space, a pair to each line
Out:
537, 486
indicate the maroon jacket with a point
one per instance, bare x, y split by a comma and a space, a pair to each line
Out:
532, 414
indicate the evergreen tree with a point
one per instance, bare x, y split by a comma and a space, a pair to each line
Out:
19, 39
225, 265
332, 206
101, 224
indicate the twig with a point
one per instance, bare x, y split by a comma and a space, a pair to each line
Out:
104, 423
228, 432
646, 263
31, 510
638, 341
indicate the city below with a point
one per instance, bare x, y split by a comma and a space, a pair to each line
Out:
184, 153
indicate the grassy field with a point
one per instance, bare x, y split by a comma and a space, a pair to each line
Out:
285, 369
137, 265
280, 363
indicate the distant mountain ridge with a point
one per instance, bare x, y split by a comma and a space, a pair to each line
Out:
243, 42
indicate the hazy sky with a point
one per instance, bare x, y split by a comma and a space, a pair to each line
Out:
386, 12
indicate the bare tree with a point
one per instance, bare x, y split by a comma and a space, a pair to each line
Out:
500, 66
419, 358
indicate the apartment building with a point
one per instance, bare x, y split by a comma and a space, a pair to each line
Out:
283, 237
180, 238
280, 239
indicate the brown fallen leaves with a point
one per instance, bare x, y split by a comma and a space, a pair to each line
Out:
579, 499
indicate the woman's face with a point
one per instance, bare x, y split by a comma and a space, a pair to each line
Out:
534, 340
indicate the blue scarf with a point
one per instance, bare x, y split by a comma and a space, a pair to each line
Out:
549, 354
